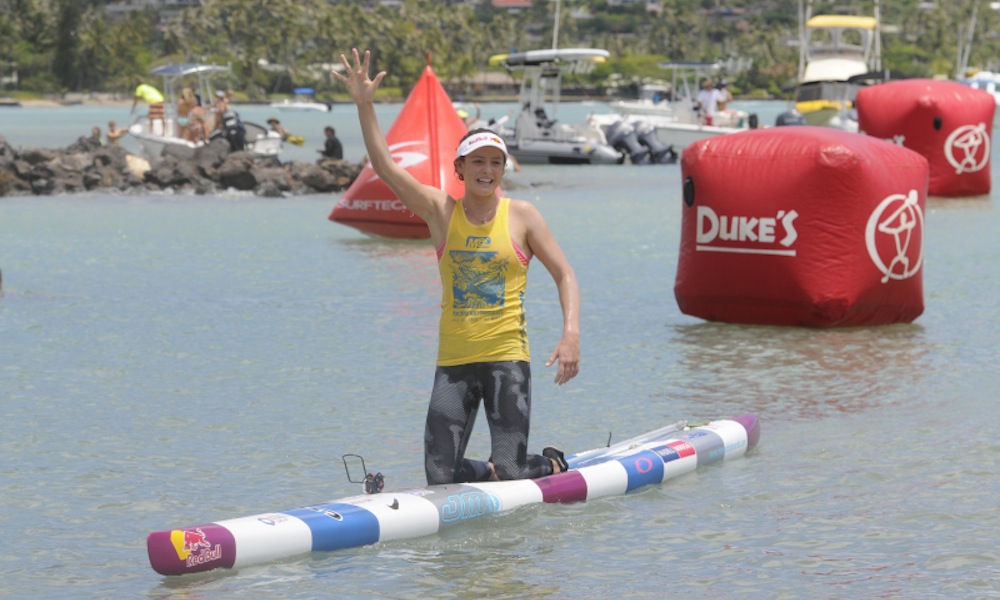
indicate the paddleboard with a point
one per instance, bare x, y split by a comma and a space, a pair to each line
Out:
650, 458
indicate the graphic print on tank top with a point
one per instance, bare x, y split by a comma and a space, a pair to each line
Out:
479, 282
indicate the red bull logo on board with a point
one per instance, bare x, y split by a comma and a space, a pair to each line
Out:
193, 547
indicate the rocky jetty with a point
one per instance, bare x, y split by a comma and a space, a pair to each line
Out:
87, 165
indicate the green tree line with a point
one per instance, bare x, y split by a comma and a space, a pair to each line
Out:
60, 46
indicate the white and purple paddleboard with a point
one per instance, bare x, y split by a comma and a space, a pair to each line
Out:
650, 458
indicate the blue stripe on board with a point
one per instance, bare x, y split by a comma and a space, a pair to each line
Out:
643, 468
336, 526
666, 453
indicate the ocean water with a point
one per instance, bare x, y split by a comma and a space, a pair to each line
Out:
168, 360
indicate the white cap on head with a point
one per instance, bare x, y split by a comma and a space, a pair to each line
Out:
481, 140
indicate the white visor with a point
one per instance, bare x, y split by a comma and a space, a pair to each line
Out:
480, 140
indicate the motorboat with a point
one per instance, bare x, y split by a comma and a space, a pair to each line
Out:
538, 137
654, 99
981, 79
676, 118
988, 81
154, 136
838, 54
304, 100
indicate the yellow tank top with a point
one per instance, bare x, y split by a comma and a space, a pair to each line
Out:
483, 276
149, 94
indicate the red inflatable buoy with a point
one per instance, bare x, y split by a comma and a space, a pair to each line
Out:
801, 226
950, 124
423, 139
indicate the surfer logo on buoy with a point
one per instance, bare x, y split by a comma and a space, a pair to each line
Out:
894, 236
967, 149
405, 159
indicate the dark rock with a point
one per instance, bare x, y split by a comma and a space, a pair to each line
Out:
237, 171
87, 165
85, 145
275, 179
37, 156
170, 172
320, 179
178, 152
212, 154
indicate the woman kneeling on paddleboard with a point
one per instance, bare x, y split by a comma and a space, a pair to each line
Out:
484, 244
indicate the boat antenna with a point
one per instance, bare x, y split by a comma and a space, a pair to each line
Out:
878, 36
804, 13
555, 29
965, 43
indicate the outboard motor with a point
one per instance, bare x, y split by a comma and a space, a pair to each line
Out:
234, 130
659, 152
622, 138
542, 119
790, 117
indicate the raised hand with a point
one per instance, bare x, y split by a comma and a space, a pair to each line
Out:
359, 84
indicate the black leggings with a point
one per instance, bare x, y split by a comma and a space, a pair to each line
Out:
506, 389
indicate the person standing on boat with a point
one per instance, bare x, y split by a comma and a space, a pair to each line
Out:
185, 104
725, 96
708, 101
197, 131
219, 108
484, 245
151, 96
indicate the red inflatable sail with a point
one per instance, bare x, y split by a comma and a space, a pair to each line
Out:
423, 140
801, 225
950, 124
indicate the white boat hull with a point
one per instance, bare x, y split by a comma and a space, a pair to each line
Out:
152, 140
529, 151
299, 106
